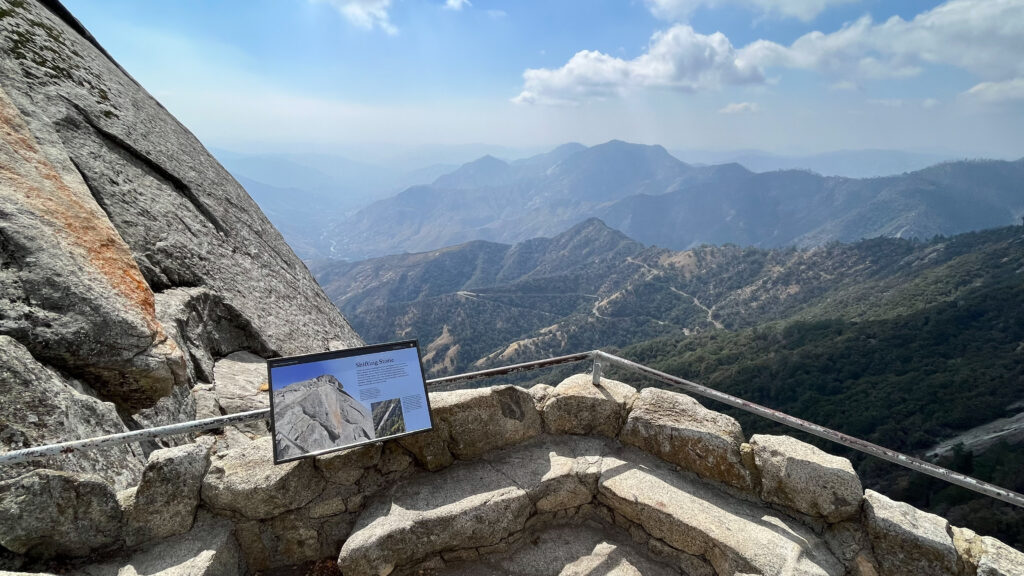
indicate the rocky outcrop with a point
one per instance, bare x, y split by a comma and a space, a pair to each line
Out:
908, 541
526, 502
209, 549
47, 513
800, 476
130, 261
317, 414
165, 502
678, 429
41, 407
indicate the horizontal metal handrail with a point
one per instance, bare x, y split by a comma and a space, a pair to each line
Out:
599, 358
28, 454
864, 446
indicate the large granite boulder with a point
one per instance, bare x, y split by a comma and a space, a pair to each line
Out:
47, 513
577, 406
802, 477
41, 407
165, 502
678, 429
986, 556
908, 541
245, 481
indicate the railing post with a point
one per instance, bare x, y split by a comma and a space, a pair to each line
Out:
596, 371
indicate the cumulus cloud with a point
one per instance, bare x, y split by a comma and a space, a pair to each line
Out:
806, 10
740, 108
998, 92
678, 59
456, 4
368, 14
983, 37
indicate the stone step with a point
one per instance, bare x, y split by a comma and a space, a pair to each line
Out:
567, 551
502, 504
209, 549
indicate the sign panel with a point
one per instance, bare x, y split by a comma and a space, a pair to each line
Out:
329, 401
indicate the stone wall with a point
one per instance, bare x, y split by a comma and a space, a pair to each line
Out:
502, 465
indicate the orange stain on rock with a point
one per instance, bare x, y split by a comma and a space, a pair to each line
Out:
74, 215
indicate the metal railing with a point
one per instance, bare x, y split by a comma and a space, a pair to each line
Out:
599, 359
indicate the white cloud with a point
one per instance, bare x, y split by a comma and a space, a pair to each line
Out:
983, 37
997, 92
886, 102
740, 108
456, 4
678, 59
806, 10
929, 103
497, 14
368, 14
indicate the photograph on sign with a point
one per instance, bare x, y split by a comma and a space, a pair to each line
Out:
334, 400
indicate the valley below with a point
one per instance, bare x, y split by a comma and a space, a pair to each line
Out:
905, 343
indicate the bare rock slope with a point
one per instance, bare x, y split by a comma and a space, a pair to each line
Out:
130, 260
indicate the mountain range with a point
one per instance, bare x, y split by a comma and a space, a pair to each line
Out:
906, 343
656, 199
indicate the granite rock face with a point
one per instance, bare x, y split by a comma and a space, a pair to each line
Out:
317, 414
47, 513
40, 407
130, 260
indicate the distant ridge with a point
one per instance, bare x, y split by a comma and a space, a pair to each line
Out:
657, 199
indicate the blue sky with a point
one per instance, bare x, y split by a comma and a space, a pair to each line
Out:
787, 76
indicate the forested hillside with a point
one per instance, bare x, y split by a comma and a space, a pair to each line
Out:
904, 343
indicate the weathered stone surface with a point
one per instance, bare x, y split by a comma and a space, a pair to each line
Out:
209, 328
556, 472
696, 518
47, 513
167, 497
41, 407
566, 551
986, 556
71, 291
475, 422
209, 549
908, 541
186, 222
676, 428
245, 481
467, 505
239, 382
318, 414
430, 448
802, 477
393, 458
576, 406
346, 466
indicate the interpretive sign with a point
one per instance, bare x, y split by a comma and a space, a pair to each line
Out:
329, 401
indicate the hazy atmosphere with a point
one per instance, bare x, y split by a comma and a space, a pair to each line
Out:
372, 79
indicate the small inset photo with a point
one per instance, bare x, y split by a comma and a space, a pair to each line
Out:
388, 419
